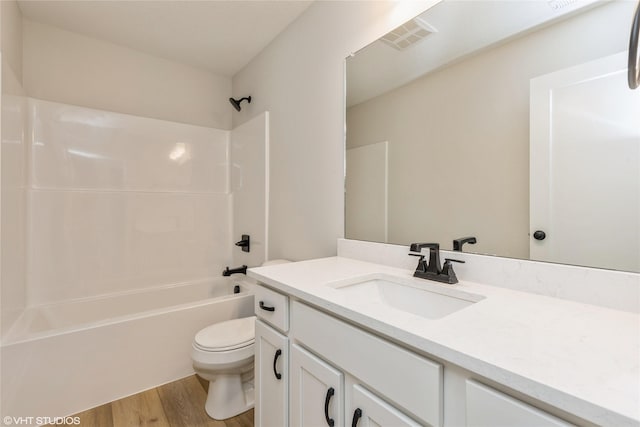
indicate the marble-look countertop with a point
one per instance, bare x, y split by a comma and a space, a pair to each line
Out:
580, 358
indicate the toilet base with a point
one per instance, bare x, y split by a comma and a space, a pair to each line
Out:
228, 396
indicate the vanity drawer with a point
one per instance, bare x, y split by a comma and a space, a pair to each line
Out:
487, 407
272, 307
384, 367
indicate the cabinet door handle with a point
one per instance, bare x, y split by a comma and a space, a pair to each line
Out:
266, 307
357, 414
327, 399
275, 360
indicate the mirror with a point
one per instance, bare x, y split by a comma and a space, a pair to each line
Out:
496, 120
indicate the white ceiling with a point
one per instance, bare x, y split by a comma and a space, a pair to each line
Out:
462, 28
218, 35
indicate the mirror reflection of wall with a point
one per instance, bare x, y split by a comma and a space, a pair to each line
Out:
459, 136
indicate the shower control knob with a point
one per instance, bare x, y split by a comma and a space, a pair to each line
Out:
539, 235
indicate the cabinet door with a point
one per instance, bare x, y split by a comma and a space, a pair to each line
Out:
384, 367
370, 411
271, 365
490, 408
316, 391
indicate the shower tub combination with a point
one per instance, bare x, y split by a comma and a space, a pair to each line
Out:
128, 221
59, 359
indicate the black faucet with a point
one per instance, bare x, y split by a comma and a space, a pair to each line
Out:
240, 270
432, 270
434, 257
458, 243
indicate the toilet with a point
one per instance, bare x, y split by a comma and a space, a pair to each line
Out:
223, 354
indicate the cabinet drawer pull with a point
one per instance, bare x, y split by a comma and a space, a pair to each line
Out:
357, 414
266, 307
327, 399
275, 360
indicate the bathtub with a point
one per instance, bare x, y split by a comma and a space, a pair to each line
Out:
60, 359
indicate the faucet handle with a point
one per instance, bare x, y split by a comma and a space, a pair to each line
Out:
447, 270
422, 264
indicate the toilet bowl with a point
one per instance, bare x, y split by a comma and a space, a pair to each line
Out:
223, 354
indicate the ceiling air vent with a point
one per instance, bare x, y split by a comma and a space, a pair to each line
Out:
408, 34
559, 4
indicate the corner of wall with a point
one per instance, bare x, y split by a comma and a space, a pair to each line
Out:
299, 78
12, 166
11, 45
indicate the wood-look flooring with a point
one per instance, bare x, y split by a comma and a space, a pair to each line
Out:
177, 404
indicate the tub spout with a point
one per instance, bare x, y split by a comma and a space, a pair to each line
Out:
240, 270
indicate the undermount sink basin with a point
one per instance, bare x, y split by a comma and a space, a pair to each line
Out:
422, 299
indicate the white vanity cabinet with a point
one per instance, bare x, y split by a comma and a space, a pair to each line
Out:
271, 358
487, 407
387, 384
272, 308
368, 410
409, 382
318, 397
336, 374
316, 390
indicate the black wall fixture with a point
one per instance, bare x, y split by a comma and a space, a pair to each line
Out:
539, 235
229, 271
458, 243
245, 243
236, 102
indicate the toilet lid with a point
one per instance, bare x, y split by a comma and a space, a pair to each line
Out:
228, 335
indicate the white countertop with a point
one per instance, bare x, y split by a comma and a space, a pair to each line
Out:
580, 358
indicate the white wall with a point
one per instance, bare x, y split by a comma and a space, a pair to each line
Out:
459, 137
13, 167
73, 69
11, 24
299, 79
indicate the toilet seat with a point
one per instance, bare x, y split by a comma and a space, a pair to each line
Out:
226, 336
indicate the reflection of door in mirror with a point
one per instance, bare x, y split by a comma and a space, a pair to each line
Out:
585, 141
366, 188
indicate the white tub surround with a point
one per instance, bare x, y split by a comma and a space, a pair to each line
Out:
13, 199
581, 359
119, 202
128, 226
249, 185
